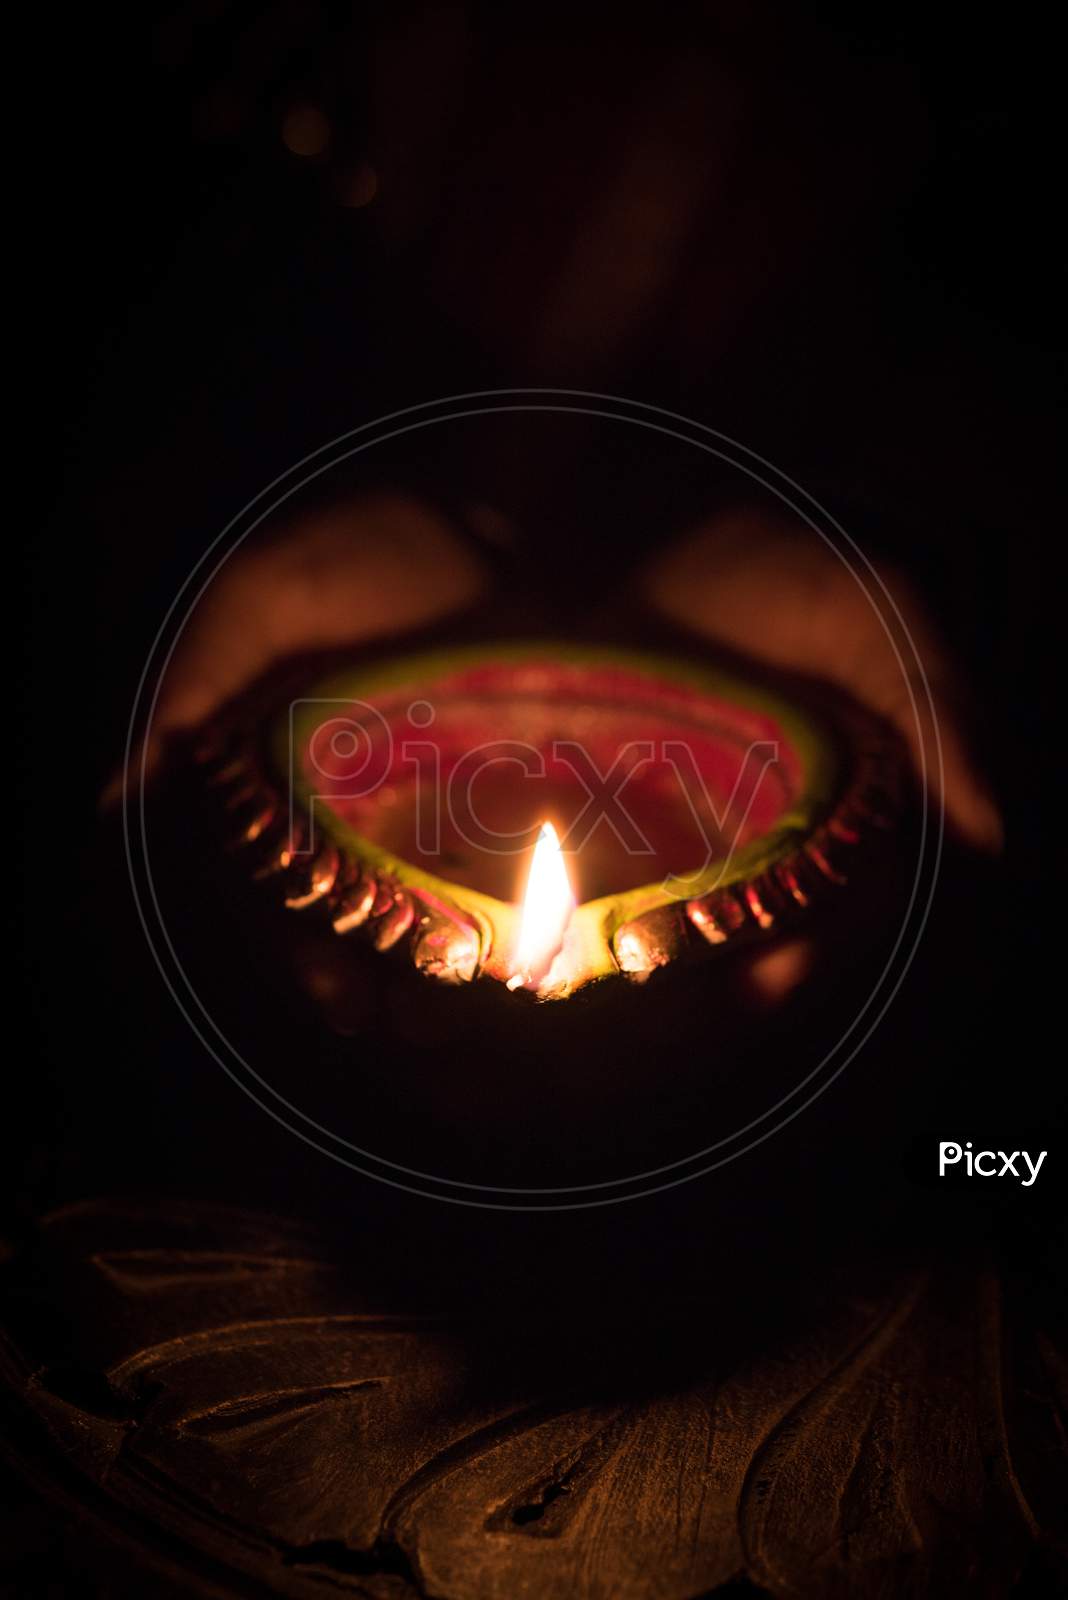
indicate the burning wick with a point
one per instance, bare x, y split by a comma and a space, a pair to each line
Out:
547, 907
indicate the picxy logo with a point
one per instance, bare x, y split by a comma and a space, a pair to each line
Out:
984, 1163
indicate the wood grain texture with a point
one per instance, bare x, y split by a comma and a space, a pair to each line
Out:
212, 1390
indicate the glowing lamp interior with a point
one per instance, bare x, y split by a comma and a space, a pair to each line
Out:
547, 906
700, 780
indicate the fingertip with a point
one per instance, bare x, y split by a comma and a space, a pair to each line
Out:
111, 794
977, 817
140, 767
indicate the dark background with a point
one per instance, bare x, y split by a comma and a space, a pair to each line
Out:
865, 288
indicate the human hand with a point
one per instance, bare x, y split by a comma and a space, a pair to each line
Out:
770, 590
343, 576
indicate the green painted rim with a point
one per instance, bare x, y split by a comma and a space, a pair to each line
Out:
811, 741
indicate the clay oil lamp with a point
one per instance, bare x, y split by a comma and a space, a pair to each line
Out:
567, 913
545, 818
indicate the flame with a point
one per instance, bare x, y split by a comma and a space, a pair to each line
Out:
547, 906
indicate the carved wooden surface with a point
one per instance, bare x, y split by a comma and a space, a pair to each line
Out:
207, 1392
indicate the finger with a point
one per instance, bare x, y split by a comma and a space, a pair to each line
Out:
354, 573
769, 590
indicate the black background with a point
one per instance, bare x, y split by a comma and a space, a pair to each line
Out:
193, 310
197, 311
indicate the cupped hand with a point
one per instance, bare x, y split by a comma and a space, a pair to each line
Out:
774, 591
765, 587
352, 573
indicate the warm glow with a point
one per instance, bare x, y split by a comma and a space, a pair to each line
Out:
547, 907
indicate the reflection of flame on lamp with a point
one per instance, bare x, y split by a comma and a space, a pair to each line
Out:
547, 907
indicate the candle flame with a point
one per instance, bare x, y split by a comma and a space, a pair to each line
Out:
547, 906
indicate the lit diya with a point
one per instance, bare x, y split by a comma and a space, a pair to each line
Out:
546, 817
